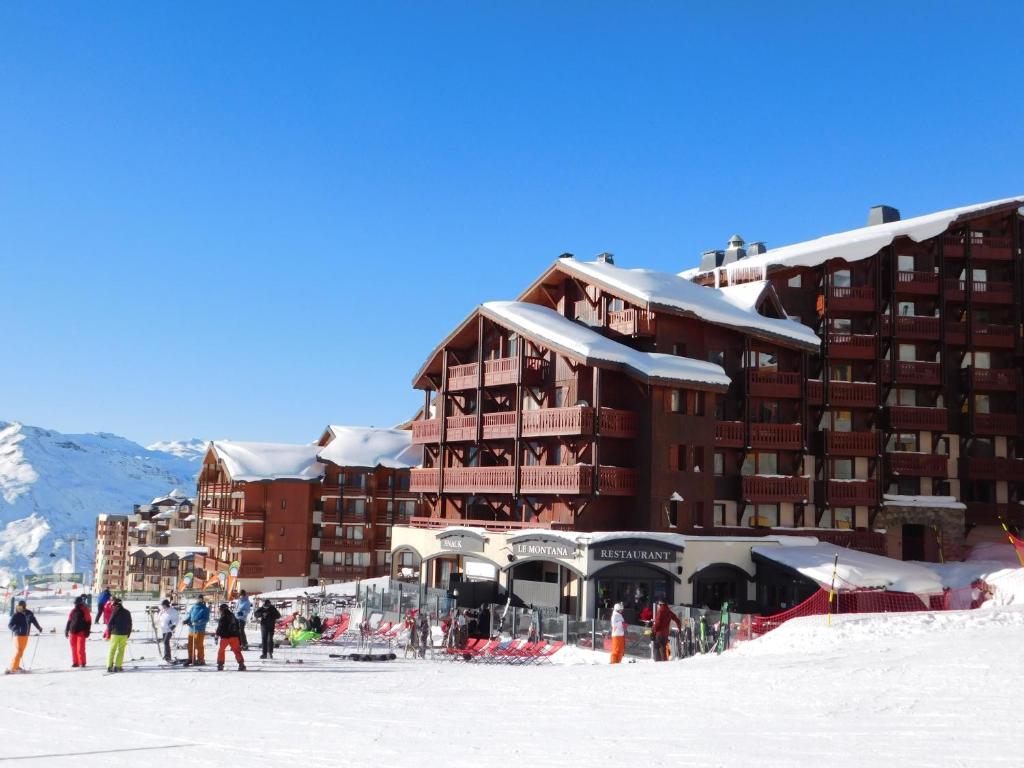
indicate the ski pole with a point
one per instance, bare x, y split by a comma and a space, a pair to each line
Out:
35, 647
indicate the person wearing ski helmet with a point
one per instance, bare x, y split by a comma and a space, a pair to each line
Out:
618, 634
198, 618
119, 627
167, 622
21, 623
77, 630
227, 631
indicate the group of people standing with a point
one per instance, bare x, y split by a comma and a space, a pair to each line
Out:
661, 618
230, 630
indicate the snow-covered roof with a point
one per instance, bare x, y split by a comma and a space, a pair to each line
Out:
745, 295
162, 516
370, 447
252, 462
663, 290
175, 496
855, 569
895, 500
181, 552
861, 243
553, 329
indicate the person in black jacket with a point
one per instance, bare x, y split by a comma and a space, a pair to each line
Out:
77, 630
268, 616
227, 631
118, 628
21, 623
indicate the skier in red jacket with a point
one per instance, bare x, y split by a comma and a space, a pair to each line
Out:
77, 630
662, 617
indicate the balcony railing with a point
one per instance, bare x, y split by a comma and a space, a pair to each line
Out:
851, 346
773, 384
843, 394
573, 420
852, 493
341, 544
785, 437
993, 335
557, 421
917, 283
919, 327
632, 322
497, 372
851, 443
915, 419
982, 291
918, 464
250, 570
913, 372
987, 249
992, 468
764, 489
574, 480
994, 424
995, 379
851, 299
426, 431
729, 434
334, 571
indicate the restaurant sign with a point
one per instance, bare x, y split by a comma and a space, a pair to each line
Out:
543, 549
639, 551
458, 542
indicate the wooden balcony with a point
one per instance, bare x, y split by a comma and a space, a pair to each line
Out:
980, 249
851, 443
994, 379
497, 372
917, 419
772, 384
575, 480
913, 372
332, 517
917, 284
729, 434
344, 572
851, 346
994, 335
426, 431
992, 469
761, 489
852, 493
912, 327
249, 542
632, 322
843, 394
341, 544
211, 540
851, 299
918, 464
546, 422
782, 437
250, 570
993, 424
982, 291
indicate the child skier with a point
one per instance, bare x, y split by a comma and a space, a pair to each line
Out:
227, 631
21, 624
77, 630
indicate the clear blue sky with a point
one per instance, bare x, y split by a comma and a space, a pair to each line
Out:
247, 221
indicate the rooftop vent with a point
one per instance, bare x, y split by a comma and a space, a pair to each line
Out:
606, 258
566, 256
882, 214
734, 251
711, 259
756, 249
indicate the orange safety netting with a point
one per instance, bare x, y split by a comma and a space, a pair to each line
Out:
874, 601
1018, 546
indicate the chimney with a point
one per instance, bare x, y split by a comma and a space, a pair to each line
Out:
756, 249
734, 251
882, 214
566, 256
606, 258
710, 259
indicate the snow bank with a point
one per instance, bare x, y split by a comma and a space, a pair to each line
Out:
369, 447
1007, 586
552, 328
252, 462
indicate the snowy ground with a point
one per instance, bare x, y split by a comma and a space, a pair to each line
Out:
909, 690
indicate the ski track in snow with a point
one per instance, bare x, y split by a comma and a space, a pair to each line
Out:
912, 690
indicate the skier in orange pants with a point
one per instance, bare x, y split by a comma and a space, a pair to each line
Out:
618, 634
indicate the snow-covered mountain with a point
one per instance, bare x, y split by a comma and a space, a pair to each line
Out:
53, 485
193, 449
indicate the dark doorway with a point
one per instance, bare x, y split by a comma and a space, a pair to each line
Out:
913, 542
717, 583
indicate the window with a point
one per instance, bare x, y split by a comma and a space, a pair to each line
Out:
284, 503
407, 508
795, 281
677, 401
760, 463
672, 511
280, 557
762, 515
842, 325
679, 349
698, 459
904, 441
698, 403
717, 357
719, 510
842, 469
842, 421
280, 531
356, 507
982, 404
837, 517
719, 464
841, 278
905, 308
907, 353
905, 262
354, 532
677, 458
